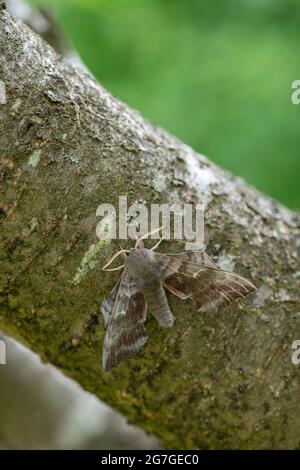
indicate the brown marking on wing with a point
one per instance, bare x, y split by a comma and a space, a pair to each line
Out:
209, 287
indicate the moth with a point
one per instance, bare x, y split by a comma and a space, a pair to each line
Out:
145, 276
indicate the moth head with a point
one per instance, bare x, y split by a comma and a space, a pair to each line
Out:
138, 246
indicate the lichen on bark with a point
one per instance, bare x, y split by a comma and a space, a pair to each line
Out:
67, 145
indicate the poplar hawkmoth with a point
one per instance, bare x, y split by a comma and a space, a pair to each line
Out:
145, 276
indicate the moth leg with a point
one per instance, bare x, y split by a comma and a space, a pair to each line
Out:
112, 259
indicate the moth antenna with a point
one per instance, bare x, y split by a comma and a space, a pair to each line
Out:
142, 237
112, 259
158, 243
123, 251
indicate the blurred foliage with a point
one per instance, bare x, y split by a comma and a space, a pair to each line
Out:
216, 74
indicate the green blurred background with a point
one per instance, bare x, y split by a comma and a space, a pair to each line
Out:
215, 73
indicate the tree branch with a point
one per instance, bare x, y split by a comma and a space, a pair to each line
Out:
67, 145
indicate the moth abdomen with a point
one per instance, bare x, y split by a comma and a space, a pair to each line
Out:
158, 305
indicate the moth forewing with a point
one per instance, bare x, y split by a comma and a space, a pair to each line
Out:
108, 303
125, 333
209, 287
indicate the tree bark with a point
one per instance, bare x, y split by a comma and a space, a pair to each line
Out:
41, 409
67, 145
